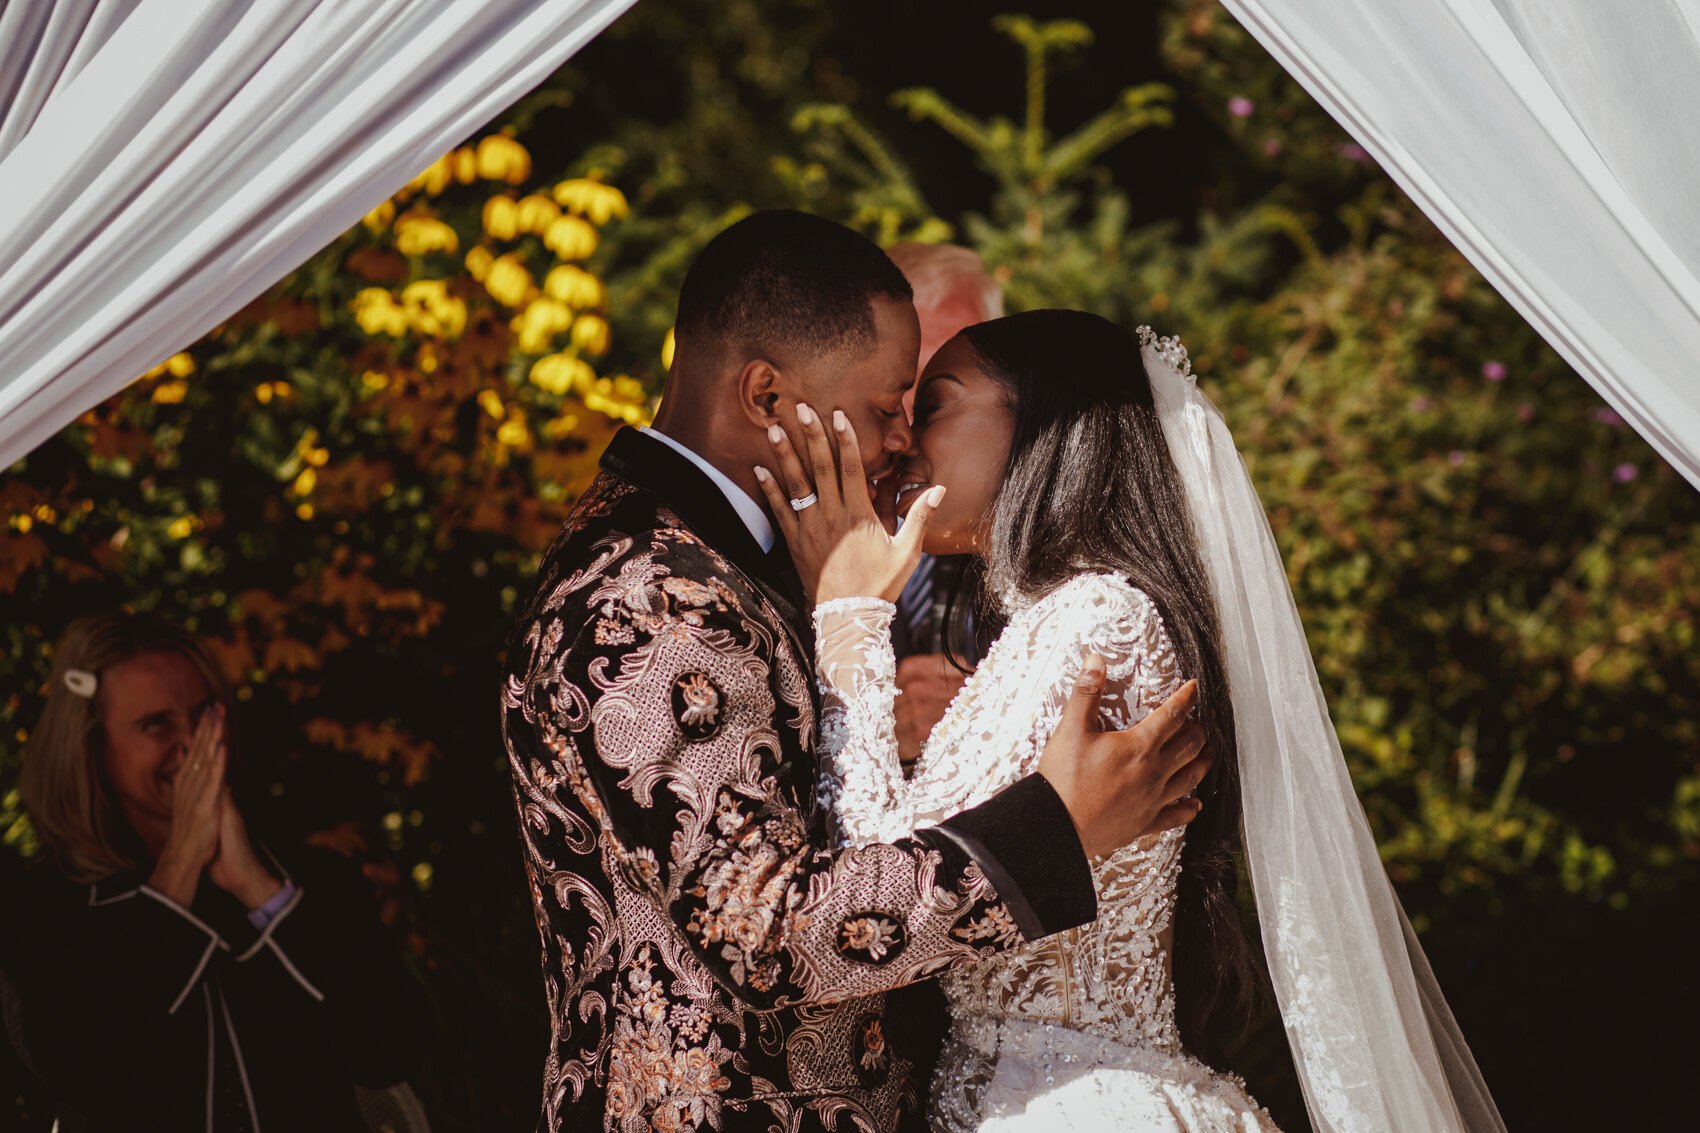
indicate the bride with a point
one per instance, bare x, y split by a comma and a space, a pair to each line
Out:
1113, 519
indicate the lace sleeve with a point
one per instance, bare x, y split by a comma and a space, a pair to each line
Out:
861, 778
997, 728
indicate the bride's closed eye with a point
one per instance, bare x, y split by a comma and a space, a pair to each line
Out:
925, 407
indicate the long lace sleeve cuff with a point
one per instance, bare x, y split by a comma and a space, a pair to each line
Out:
861, 777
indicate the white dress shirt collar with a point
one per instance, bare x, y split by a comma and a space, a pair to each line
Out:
748, 510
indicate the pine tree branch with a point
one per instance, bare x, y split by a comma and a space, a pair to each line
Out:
1140, 108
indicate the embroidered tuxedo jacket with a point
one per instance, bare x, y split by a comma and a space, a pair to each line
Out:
708, 962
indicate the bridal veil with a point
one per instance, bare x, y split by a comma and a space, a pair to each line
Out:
1375, 1046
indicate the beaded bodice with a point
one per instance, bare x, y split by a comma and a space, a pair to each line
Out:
1110, 979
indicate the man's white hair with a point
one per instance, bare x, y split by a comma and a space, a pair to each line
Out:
940, 272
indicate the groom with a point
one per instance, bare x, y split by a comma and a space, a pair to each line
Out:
709, 962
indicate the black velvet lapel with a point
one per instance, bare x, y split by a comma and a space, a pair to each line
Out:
656, 468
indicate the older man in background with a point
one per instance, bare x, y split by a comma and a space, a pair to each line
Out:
953, 290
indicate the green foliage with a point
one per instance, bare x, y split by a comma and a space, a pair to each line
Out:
1498, 580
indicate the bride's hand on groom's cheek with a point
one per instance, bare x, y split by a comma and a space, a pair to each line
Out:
820, 505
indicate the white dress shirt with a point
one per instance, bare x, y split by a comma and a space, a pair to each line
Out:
748, 510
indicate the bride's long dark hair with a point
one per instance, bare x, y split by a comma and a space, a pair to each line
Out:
1090, 485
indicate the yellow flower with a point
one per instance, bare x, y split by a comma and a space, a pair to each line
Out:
304, 482
478, 262
590, 334
587, 197
507, 281
178, 366
557, 427
426, 359
426, 292
560, 373
22, 523
377, 313
619, 410
501, 218
434, 178
491, 402
170, 393
536, 213
181, 527
431, 310
570, 238
667, 347
539, 323
572, 285
621, 398
266, 391
513, 433
465, 164
500, 158
304, 511
374, 380
379, 218
417, 235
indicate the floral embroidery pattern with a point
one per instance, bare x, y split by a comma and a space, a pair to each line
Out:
696, 705
660, 730
871, 938
873, 1057
996, 927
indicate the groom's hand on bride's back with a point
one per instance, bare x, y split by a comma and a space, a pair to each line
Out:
1122, 786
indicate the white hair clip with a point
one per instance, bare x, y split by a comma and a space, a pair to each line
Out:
82, 682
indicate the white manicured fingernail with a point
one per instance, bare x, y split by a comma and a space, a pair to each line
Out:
935, 495
761, 474
775, 433
839, 421
805, 414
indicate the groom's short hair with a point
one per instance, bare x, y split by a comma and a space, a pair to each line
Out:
782, 281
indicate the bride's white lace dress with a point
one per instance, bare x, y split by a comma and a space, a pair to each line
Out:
1076, 1031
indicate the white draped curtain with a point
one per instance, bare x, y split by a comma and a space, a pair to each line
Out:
162, 162
1554, 142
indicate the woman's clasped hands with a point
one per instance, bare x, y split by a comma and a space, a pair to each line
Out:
842, 546
207, 831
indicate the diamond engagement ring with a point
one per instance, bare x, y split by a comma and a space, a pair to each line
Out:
805, 503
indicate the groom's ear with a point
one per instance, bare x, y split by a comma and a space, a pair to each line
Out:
760, 390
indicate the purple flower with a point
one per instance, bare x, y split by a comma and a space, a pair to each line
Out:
1272, 147
1493, 371
1607, 416
1352, 151
1525, 412
1625, 472
1456, 458
1241, 107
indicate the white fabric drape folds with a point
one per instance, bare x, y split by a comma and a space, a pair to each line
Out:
162, 162
1552, 141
